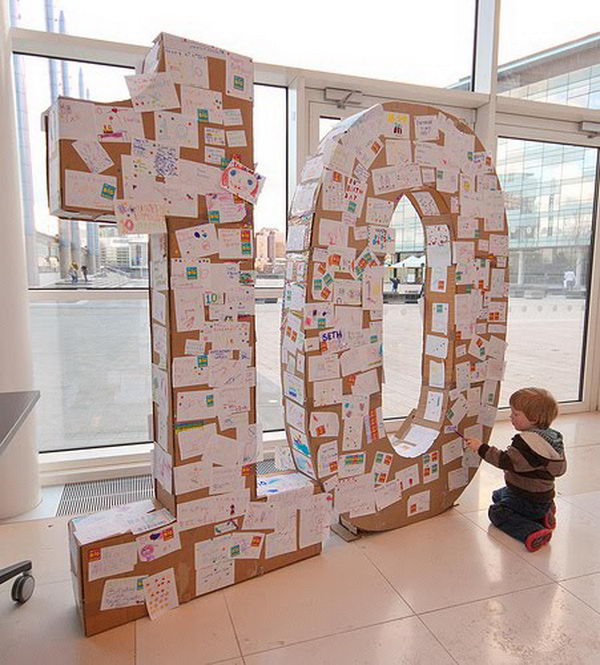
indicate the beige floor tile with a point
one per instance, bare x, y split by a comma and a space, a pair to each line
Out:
579, 429
586, 588
46, 630
197, 632
44, 542
589, 501
447, 560
402, 642
583, 471
542, 626
573, 550
337, 591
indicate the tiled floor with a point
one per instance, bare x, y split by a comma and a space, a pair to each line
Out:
448, 590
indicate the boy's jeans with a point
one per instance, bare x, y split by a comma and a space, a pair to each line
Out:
515, 515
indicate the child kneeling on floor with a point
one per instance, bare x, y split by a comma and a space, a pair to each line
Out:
525, 508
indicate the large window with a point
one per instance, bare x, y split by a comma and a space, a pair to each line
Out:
549, 197
71, 254
400, 42
91, 356
402, 312
92, 367
57, 251
90, 328
547, 54
270, 155
268, 382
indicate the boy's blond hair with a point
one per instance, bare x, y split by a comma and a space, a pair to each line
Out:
538, 405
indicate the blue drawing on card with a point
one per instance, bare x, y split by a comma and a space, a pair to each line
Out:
165, 162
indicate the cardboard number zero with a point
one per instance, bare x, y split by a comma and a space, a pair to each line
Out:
332, 340
175, 161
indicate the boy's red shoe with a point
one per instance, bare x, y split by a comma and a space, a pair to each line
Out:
549, 520
538, 539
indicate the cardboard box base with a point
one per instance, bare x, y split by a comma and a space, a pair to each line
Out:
88, 595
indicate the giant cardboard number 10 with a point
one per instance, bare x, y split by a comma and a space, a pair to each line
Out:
175, 161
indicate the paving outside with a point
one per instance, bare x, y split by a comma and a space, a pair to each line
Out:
92, 363
106, 279
119, 279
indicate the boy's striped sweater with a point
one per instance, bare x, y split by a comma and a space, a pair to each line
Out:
531, 463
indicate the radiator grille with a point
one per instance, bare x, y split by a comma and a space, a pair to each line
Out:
95, 495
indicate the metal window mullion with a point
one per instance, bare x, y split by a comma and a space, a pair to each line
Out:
591, 365
485, 66
487, 37
68, 47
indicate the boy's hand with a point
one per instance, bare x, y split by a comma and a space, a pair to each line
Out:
473, 443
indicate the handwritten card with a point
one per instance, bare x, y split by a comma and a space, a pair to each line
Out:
140, 217
90, 190
223, 208
160, 593
158, 543
112, 560
94, 155
116, 124
152, 92
239, 75
203, 105
185, 63
122, 592
235, 243
176, 129
236, 138
197, 241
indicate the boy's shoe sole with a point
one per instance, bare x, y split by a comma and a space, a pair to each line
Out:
538, 539
549, 520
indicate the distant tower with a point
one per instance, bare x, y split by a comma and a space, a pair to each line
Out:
64, 228
92, 261
49, 7
33, 277
66, 91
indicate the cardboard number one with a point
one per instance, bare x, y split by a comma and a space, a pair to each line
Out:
175, 162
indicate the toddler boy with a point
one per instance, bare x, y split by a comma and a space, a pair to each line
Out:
525, 508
